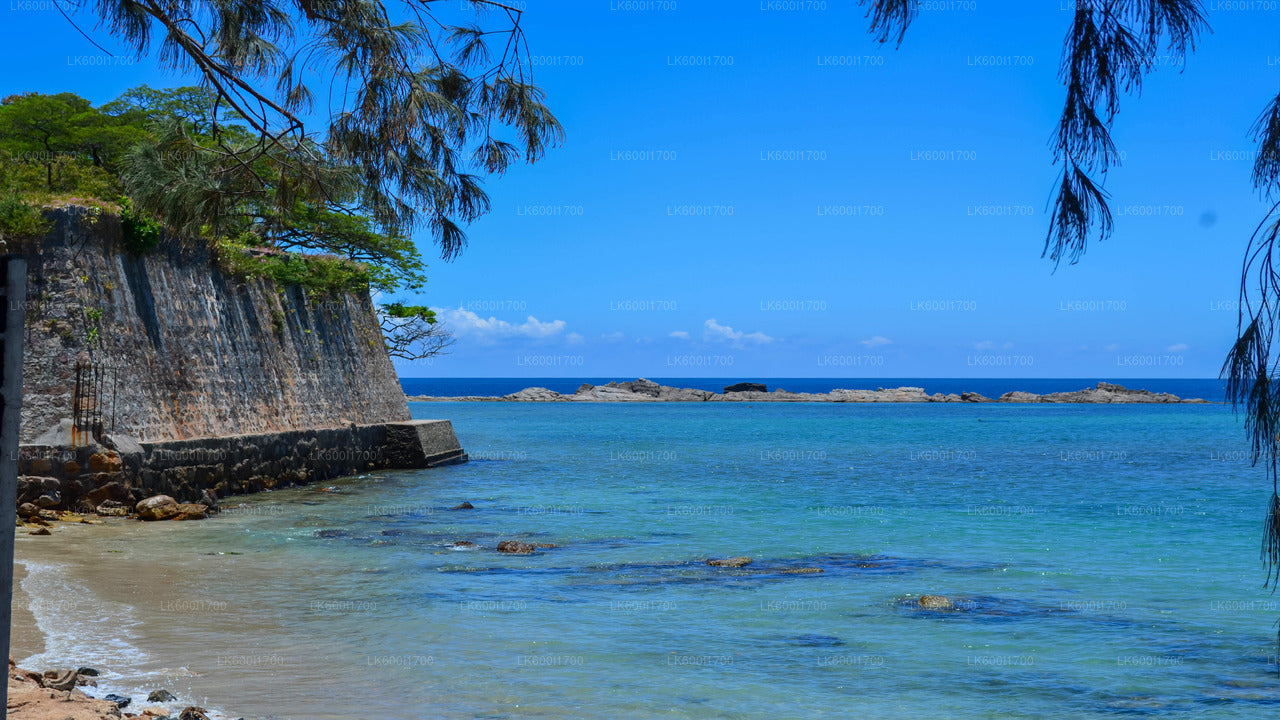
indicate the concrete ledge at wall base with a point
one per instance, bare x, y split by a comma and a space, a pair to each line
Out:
422, 443
128, 471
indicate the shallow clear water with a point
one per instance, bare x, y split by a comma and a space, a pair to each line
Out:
1104, 560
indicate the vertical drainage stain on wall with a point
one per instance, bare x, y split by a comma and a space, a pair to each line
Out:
198, 353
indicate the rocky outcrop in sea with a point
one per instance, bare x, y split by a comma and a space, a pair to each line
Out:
643, 390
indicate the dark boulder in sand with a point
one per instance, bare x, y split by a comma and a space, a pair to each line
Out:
41, 531
158, 507
733, 562
746, 387
26, 510
515, 547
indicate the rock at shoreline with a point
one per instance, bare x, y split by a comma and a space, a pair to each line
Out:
120, 700
515, 547
191, 511
114, 490
1017, 396
26, 510
643, 390
41, 531
733, 562
111, 508
535, 394
193, 713
158, 507
209, 499
161, 696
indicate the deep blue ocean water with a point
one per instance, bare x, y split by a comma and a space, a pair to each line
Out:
1207, 389
1103, 561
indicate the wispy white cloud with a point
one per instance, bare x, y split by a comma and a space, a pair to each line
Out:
1112, 347
680, 335
615, 336
1179, 347
877, 341
466, 323
715, 332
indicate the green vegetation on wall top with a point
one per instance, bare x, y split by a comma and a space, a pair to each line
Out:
147, 156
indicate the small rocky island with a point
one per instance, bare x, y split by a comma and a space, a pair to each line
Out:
648, 391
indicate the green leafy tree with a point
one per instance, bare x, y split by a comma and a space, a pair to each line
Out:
59, 132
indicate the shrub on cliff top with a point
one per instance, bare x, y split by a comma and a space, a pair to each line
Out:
19, 220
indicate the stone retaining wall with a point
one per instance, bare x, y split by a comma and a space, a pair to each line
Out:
81, 479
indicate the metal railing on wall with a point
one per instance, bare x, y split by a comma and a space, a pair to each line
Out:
92, 414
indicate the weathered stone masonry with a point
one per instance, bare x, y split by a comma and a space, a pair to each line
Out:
205, 381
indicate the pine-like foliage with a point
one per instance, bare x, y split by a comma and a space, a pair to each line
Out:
1109, 47
417, 114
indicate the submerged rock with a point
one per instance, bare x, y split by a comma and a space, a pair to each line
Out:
463, 506
802, 571
41, 531
158, 507
515, 547
936, 602
733, 562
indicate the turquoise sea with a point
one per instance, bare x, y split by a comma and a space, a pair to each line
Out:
1103, 561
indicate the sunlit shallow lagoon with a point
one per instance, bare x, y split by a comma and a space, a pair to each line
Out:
1102, 560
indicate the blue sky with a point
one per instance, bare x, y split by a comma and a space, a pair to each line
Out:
760, 189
